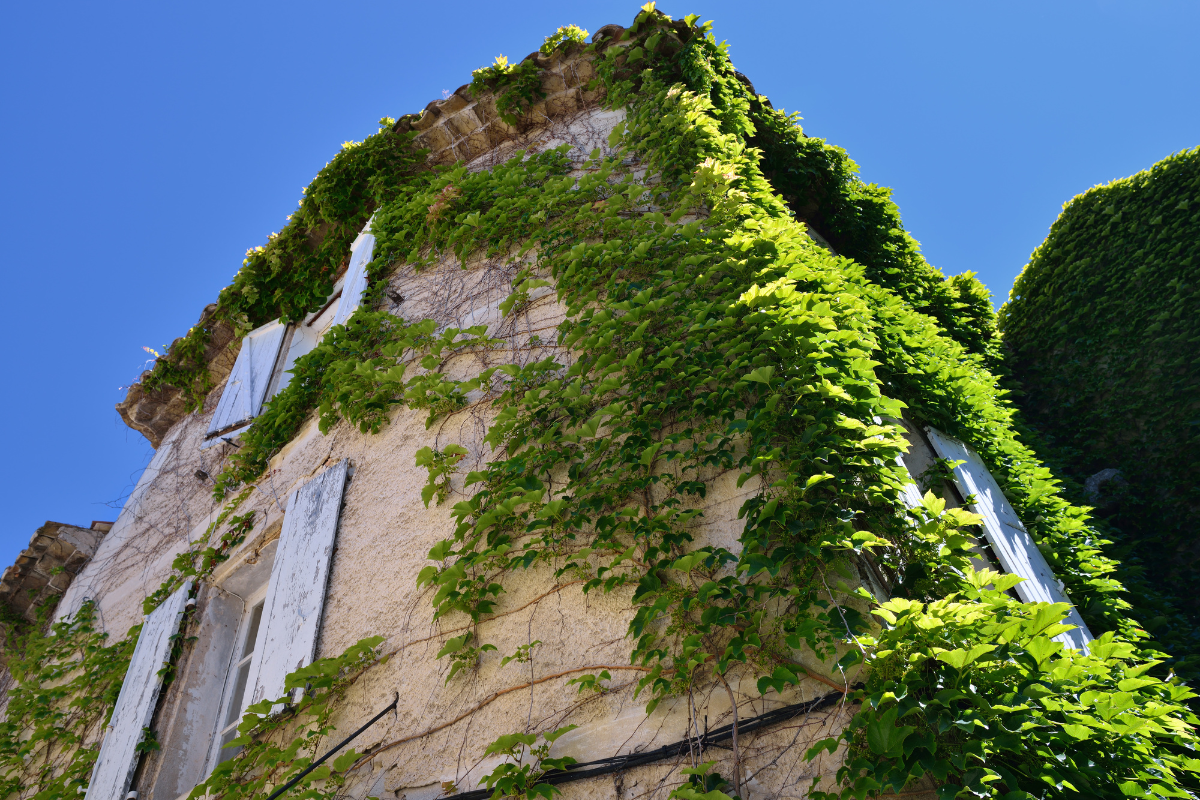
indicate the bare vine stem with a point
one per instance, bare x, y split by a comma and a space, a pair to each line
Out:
486, 701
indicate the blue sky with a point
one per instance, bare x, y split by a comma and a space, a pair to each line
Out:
146, 146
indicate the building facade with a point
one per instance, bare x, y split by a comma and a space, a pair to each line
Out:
499, 482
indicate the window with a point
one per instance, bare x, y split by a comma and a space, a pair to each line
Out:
246, 389
239, 675
269, 352
279, 628
361, 253
1015, 549
134, 710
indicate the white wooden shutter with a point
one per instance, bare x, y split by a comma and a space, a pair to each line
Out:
247, 385
910, 493
1014, 547
291, 617
135, 704
355, 283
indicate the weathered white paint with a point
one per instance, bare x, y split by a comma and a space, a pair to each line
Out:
361, 253
910, 493
1014, 547
225, 438
89, 585
135, 705
384, 534
296, 593
305, 336
246, 388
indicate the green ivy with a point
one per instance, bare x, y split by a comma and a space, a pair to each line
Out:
517, 86
563, 36
294, 272
973, 691
711, 335
65, 684
279, 739
1103, 325
520, 774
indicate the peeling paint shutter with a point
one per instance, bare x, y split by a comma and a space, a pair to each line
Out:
1012, 544
247, 385
910, 493
135, 705
355, 284
296, 594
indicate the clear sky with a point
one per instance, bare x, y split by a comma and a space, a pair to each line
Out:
145, 146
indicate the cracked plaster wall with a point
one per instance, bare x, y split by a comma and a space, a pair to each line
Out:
383, 537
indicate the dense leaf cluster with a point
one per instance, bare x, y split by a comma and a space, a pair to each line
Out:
973, 691
279, 738
1103, 326
820, 184
294, 272
709, 338
65, 684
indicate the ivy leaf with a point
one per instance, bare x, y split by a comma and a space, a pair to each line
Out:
343, 762
815, 479
885, 737
455, 644
960, 658
440, 550
1077, 731
761, 375
553, 736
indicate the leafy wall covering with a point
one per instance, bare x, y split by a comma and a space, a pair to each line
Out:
1103, 329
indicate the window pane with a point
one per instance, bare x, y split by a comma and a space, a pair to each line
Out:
228, 752
252, 634
239, 691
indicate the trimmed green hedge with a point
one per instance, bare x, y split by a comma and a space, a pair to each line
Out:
1103, 329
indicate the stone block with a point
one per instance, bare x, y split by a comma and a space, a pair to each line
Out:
553, 82
592, 97
48, 564
451, 105
580, 71
76, 562
610, 32
562, 104
465, 122
83, 540
429, 117
498, 133
477, 144
435, 138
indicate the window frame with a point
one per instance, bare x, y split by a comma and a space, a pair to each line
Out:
238, 659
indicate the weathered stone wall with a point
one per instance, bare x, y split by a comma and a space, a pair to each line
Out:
437, 735
152, 413
43, 571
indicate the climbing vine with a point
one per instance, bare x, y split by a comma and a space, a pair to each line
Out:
276, 746
294, 272
65, 682
710, 336
1102, 326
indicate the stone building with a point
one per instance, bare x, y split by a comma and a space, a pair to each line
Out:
332, 542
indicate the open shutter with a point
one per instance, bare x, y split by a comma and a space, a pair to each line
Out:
910, 493
135, 704
247, 385
355, 284
1014, 547
296, 595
